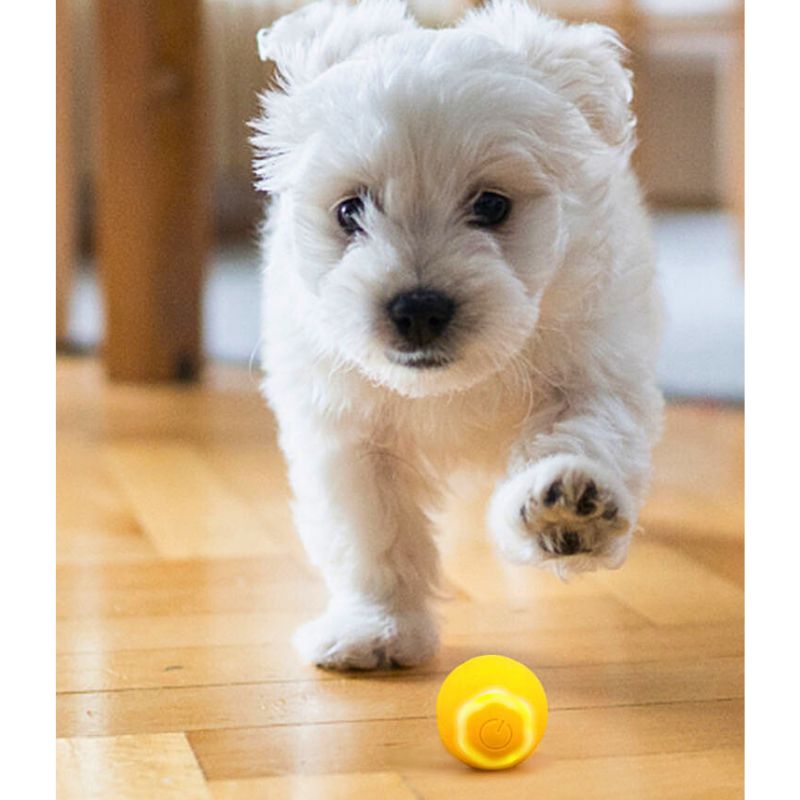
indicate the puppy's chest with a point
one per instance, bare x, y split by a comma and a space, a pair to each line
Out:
448, 431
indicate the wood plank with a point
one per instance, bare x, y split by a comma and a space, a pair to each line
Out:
175, 587
722, 555
122, 767
88, 635
232, 414
95, 523
704, 775
183, 506
410, 746
385, 785
180, 666
249, 468
208, 664
667, 587
549, 643
152, 186
400, 695
489, 621
698, 473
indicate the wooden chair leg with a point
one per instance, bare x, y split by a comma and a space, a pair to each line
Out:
734, 124
153, 200
65, 170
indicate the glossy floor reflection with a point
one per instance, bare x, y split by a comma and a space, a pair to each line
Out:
180, 580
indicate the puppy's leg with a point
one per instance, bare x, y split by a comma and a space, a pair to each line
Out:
359, 514
573, 493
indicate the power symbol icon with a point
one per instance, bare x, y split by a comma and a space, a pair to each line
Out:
496, 734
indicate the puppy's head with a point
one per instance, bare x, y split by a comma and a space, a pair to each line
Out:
426, 180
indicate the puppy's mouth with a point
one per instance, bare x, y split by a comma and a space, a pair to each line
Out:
419, 359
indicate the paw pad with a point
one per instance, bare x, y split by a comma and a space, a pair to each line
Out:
587, 502
566, 512
570, 543
573, 515
554, 493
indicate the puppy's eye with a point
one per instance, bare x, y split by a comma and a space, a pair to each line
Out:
490, 209
347, 214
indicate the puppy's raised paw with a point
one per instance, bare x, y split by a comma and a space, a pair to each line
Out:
566, 512
365, 638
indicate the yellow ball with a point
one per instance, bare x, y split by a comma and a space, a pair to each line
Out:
491, 712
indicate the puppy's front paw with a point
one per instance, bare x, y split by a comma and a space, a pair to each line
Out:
367, 638
566, 512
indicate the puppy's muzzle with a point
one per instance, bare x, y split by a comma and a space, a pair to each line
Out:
420, 317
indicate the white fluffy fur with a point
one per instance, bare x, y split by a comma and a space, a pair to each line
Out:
552, 378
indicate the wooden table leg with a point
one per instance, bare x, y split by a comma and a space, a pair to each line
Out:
152, 186
734, 126
65, 169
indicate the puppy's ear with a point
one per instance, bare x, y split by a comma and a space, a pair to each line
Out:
305, 43
583, 63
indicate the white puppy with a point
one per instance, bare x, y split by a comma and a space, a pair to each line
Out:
458, 268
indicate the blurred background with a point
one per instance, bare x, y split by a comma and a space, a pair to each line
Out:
158, 267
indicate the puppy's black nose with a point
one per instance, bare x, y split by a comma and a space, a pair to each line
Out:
421, 316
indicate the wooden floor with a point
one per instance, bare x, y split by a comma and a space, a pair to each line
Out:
180, 580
